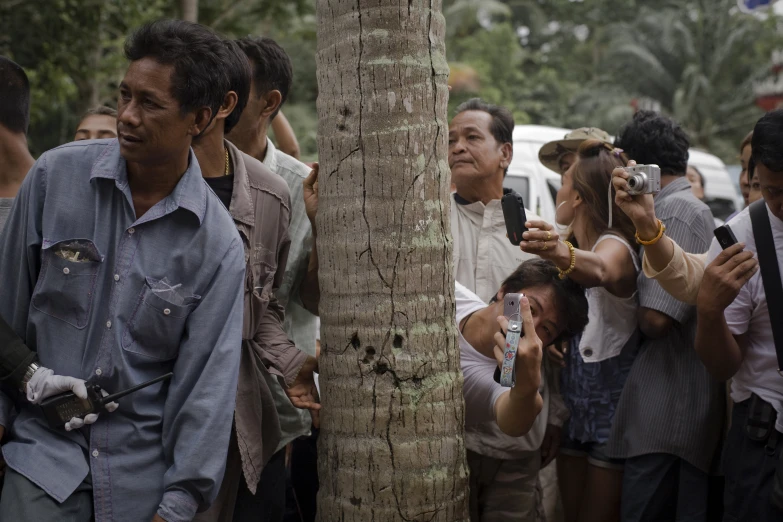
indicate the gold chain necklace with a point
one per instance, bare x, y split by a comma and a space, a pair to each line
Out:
226, 172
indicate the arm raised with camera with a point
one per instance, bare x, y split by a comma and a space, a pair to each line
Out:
678, 272
516, 409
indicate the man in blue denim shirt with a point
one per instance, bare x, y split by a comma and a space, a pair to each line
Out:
118, 265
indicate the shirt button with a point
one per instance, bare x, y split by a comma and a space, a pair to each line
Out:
166, 311
66, 270
95, 453
588, 352
98, 371
131, 230
108, 324
116, 277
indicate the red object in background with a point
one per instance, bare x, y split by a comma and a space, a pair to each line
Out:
769, 103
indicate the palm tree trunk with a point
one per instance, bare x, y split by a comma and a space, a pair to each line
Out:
189, 10
391, 444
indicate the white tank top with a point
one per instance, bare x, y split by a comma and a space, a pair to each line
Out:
612, 319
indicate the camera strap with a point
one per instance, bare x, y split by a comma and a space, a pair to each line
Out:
507, 373
770, 273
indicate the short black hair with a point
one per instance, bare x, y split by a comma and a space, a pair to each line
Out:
766, 146
569, 297
502, 126
239, 82
272, 70
14, 97
100, 110
651, 138
200, 77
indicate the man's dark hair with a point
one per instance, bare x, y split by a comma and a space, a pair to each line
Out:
570, 298
239, 82
14, 97
502, 126
100, 110
651, 138
766, 143
200, 77
272, 69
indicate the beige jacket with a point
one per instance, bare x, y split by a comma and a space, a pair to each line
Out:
682, 276
483, 259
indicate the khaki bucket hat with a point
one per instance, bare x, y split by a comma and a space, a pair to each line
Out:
551, 152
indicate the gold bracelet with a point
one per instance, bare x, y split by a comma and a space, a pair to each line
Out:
661, 230
564, 273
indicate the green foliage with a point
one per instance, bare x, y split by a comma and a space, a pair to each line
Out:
582, 63
565, 63
72, 53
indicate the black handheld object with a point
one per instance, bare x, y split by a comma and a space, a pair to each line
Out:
725, 236
61, 408
514, 215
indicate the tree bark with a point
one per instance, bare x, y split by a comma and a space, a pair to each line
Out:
391, 443
189, 10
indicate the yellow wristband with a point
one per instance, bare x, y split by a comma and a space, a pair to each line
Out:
661, 230
564, 273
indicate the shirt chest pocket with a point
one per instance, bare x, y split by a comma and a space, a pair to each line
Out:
156, 326
66, 283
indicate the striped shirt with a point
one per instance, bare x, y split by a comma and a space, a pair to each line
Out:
670, 404
300, 325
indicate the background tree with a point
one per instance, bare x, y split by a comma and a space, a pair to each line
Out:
390, 446
189, 10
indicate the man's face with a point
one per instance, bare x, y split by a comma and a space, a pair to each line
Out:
754, 193
150, 124
474, 154
249, 122
771, 184
96, 127
546, 319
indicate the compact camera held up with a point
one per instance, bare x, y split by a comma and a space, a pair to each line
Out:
643, 179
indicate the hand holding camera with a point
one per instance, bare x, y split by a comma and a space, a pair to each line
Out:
529, 351
637, 201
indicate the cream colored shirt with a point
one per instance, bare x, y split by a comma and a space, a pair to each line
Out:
483, 259
682, 276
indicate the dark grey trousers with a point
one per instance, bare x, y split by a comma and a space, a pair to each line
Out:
750, 468
23, 501
661, 487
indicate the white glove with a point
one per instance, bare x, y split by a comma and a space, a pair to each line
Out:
90, 418
44, 383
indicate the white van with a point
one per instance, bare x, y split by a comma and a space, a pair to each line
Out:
538, 185
720, 193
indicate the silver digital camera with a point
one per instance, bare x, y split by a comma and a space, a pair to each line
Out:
644, 179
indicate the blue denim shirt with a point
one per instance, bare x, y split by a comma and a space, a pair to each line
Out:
98, 317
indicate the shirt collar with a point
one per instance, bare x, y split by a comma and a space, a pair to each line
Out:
270, 159
241, 208
678, 185
190, 192
462, 201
